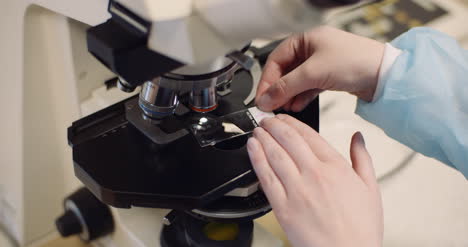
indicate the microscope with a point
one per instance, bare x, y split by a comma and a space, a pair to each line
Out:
169, 158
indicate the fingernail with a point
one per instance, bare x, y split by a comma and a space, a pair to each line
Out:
257, 131
265, 101
361, 138
251, 144
263, 121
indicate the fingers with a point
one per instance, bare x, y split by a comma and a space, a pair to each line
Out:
322, 150
362, 162
271, 184
287, 106
278, 158
302, 100
272, 71
284, 89
283, 59
292, 142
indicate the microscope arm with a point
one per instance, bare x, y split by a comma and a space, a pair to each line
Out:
147, 38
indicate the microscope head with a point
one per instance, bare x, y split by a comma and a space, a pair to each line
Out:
175, 48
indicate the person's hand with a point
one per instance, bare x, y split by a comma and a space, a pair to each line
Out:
322, 59
318, 198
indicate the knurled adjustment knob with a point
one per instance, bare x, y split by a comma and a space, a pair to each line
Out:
68, 224
85, 216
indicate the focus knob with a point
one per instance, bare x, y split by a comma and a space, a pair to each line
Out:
85, 216
68, 224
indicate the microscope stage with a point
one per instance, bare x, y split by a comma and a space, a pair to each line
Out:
123, 167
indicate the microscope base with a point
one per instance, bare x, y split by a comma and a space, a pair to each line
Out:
141, 227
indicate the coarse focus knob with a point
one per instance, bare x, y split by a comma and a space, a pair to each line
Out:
85, 216
68, 224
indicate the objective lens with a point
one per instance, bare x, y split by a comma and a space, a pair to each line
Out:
203, 100
156, 101
125, 86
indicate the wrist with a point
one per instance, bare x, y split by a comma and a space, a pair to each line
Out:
390, 56
369, 70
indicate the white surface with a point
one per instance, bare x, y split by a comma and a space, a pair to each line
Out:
159, 10
4, 241
214, 28
39, 95
248, 19
426, 205
338, 123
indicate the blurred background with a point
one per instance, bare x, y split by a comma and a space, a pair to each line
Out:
425, 202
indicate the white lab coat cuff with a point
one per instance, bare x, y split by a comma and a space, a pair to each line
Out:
390, 55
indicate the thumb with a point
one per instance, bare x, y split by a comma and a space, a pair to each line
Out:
284, 89
362, 161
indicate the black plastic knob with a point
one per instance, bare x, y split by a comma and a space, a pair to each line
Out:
68, 224
85, 216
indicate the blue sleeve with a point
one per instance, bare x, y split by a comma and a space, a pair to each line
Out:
424, 103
